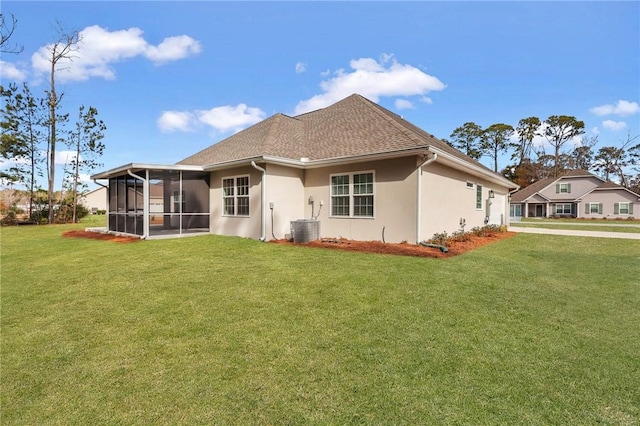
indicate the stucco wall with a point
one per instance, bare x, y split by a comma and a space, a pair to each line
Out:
608, 198
579, 186
447, 198
248, 227
95, 199
394, 201
285, 189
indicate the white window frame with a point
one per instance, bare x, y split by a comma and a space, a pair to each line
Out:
351, 195
236, 197
470, 185
591, 207
626, 204
564, 188
515, 209
479, 197
555, 209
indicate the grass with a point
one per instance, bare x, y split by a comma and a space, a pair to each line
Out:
533, 330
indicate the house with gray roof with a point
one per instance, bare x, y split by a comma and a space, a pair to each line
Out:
352, 170
578, 193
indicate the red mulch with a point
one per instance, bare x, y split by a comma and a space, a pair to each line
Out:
100, 236
404, 249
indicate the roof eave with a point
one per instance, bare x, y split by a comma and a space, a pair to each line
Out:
117, 171
473, 169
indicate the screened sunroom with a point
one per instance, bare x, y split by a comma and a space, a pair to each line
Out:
153, 201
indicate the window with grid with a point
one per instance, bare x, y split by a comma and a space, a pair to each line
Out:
479, 197
563, 208
594, 208
623, 208
352, 195
235, 196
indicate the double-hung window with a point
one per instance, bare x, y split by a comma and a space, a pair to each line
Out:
593, 208
563, 188
352, 195
235, 196
623, 208
563, 208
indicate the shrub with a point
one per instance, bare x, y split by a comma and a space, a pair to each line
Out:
439, 238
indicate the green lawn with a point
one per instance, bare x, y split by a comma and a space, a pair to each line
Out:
533, 330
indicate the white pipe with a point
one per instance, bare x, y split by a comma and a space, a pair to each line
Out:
263, 185
419, 194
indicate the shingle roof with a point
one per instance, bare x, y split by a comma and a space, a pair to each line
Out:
524, 193
351, 127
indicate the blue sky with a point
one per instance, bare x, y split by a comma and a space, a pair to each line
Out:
171, 78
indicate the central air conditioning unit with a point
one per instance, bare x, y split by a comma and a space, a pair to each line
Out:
305, 230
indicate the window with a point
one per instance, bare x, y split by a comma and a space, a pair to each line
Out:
593, 208
563, 208
352, 195
235, 196
563, 188
515, 210
623, 208
469, 185
478, 197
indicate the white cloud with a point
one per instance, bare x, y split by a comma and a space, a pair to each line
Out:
372, 79
403, 104
172, 49
595, 130
301, 67
427, 100
230, 118
11, 72
622, 108
171, 121
99, 49
614, 125
65, 157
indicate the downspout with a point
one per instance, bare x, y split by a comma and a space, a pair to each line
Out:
419, 194
145, 197
107, 200
263, 185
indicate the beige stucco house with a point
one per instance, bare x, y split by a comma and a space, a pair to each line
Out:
353, 170
95, 200
578, 193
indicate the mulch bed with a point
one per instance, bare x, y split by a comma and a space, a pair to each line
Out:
404, 249
100, 236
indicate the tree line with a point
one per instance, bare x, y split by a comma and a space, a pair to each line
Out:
33, 126
531, 162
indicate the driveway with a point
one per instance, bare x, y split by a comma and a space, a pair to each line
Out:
576, 233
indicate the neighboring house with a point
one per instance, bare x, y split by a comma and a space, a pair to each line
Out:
95, 200
578, 193
353, 169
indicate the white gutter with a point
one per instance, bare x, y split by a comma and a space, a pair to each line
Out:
474, 169
263, 210
419, 194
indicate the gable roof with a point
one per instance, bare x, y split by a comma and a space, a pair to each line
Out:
533, 189
354, 126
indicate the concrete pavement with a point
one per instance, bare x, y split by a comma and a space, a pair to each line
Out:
576, 233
